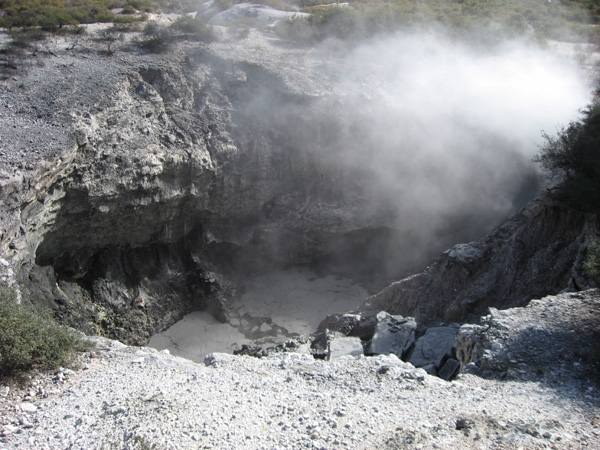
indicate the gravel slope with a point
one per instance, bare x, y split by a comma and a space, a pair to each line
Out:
129, 397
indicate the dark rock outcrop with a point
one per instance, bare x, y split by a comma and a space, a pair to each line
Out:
433, 348
393, 335
536, 252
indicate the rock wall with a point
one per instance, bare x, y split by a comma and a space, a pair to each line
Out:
134, 187
538, 251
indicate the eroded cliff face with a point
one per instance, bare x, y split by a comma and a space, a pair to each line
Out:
136, 187
536, 252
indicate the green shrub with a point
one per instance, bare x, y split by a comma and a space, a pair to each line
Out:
110, 36
157, 39
193, 28
14, 56
567, 19
128, 9
573, 159
486, 22
54, 14
31, 340
177, 6
127, 19
298, 29
140, 5
51, 19
591, 264
25, 37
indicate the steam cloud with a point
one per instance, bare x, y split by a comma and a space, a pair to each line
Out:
440, 134
454, 127
448, 132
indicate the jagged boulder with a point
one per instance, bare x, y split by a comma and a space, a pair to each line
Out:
393, 335
343, 323
434, 347
361, 326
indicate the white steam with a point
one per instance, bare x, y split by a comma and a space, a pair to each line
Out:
447, 126
514, 90
446, 133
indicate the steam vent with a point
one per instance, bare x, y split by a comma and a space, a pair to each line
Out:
228, 191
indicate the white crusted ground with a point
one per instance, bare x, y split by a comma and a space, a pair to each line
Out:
127, 397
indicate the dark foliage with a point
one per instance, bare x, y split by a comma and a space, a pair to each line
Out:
573, 159
591, 264
193, 28
157, 39
30, 339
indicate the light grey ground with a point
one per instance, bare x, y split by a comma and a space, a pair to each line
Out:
127, 396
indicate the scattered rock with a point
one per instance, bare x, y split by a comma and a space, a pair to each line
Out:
547, 339
7, 430
27, 407
216, 359
292, 400
345, 346
465, 425
393, 334
433, 347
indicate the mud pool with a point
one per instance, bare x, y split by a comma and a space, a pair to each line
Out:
271, 309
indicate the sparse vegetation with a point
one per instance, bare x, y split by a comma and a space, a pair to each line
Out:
158, 38
55, 14
110, 36
25, 41
489, 21
52, 15
572, 159
193, 28
591, 264
30, 339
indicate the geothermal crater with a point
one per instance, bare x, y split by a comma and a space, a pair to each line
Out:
247, 177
